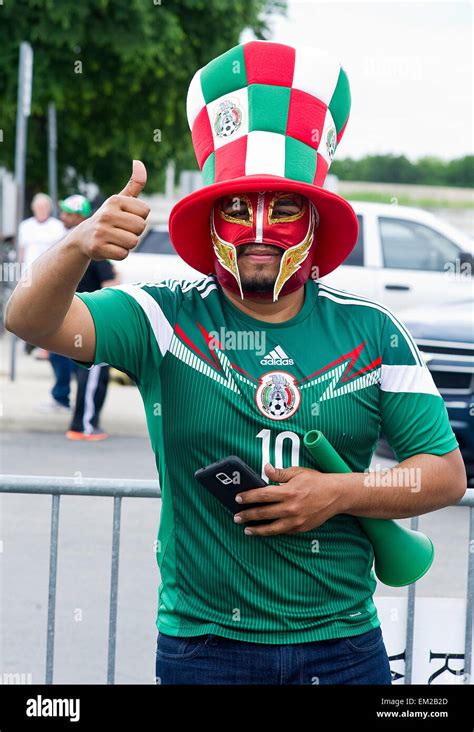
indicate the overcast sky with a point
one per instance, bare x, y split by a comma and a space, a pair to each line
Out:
409, 65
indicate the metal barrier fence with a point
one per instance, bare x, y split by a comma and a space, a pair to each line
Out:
57, 487
118, 489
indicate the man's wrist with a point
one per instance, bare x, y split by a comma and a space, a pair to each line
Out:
71, 244
350, 493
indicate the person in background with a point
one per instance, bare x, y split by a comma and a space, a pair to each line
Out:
40, 231
91, 384
73, 210
35, 235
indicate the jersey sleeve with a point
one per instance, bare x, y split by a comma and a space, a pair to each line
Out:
133, 326
414, 417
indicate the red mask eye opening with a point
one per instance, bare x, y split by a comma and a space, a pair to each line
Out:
236, 209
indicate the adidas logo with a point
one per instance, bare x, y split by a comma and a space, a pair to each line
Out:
277, 357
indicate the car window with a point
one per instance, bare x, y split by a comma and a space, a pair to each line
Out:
156, 242
356, 257
410, 245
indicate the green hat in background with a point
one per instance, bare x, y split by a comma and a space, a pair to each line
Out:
76, 204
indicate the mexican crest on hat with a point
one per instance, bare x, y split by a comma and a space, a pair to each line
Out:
266, 116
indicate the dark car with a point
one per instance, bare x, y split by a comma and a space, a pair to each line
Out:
445, 337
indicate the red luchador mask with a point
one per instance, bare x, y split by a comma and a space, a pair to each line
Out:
285, 220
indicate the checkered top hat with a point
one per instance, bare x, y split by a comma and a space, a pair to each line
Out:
266, 116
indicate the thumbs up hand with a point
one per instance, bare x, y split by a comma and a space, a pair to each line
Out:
115, 227
137, 180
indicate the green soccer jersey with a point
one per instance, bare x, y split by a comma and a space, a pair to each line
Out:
217, 382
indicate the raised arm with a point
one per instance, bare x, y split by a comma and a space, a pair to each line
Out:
42, 309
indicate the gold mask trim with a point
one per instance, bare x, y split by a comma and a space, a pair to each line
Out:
283, 219
297, 254
235, 219
226, 254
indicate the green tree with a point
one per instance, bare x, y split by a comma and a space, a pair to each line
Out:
460, 172
398, 169
431, 171
118, 72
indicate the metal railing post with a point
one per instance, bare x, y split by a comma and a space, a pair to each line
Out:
53, 567
114, 576
410, 619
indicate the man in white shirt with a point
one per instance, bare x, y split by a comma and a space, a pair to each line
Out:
40, 231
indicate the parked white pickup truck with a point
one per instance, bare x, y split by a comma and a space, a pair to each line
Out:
404, 257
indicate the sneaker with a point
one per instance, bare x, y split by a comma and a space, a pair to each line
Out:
53, 407
94, 436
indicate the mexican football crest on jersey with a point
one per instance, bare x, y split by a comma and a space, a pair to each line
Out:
277, 396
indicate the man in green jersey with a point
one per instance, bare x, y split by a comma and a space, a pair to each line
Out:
244, 361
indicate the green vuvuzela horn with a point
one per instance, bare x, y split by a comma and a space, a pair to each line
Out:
402, 556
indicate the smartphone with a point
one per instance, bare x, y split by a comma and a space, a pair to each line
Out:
227, 477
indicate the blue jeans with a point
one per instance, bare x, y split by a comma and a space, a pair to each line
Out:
212, 659
63, 369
